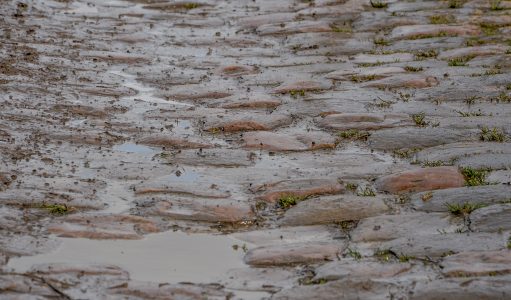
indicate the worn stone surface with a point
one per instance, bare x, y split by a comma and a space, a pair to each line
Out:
272, 192
347, 289
291, 254
438, 200
438, 245
388, 227
259, 125
467, 288
103, 227
364, 121
421, 180
348, 270
466, 264
494, 218
332, 209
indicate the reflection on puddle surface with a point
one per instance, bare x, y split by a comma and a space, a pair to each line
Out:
134, 148
163, 257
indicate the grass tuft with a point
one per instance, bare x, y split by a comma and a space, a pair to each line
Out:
286, 201
425, 54
413, 69
57, 209
442, 19
354, 134
460, 61
419, 119
474, 177
492, 135
456, 3
379, 4
463, 209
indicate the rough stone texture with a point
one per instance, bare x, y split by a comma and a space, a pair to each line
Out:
120, 119
264, 140
348, 121
388, 227
463, 289
467, 264
272, 192
421, 180
438, 200
364, 269
343, 289
291, 254
325, 210
439, 245
103, 227
494, 218
409, 138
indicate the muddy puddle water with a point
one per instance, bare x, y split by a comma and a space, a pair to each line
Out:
169, 257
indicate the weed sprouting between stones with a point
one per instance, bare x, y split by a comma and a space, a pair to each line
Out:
191, 5
425, 54
470, 114
503, 98
459, 61
366, 192
311, 281
456, 3
353, 253
57, 209
489, 29
296, 93
492, 135
463, 209
405, 153
419, 119
495, 5
286, 201
354, 134
474, 177
413, 69
362, 78
379, 4
351, 186
384, 255
381, 42
471, 100
442, 19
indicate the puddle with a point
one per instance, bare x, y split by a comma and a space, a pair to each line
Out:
169, 257
134, 148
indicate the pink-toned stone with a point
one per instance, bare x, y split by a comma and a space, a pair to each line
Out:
301, 86
473, 51
294, 27
378, 72
302, 188
485, 263
236, 70
103, 227
404, 81
206, 213
419, 180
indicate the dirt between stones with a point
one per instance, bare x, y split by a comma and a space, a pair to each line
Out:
255, 149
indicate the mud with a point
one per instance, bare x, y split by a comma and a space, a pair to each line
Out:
255, 149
